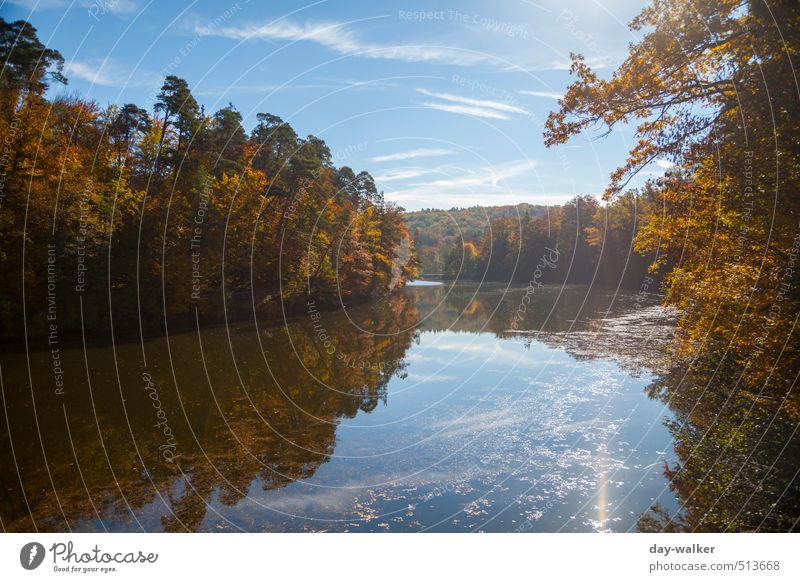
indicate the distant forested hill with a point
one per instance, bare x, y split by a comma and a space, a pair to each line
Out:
437, 231
581, 241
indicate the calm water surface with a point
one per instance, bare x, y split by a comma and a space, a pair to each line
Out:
441, 409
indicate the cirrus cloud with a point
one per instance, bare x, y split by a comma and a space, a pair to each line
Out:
337, 37
415, 153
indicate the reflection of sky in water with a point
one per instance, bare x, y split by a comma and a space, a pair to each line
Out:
482, 434
456, 425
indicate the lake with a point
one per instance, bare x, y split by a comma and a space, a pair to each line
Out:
443, 408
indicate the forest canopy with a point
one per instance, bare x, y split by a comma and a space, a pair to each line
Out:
593, 242
696, 88
712, 87
153, 214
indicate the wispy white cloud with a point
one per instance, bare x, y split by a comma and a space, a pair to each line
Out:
410, 172
109, 73
597, 62
544, 94
483, 103
465, 110
337, 37
488, 182
485, 108
402, 174
415, 153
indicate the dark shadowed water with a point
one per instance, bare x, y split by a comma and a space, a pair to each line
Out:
441, 409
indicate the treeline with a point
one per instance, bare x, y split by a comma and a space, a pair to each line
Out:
582, 241
711, 86
156, 214
436, 231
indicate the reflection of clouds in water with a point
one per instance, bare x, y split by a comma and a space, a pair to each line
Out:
476, 423
493, 427
304, 501
473, 344
490, 348
419, 357
417, 378
537, 447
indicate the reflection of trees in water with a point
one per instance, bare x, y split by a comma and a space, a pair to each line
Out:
738, 455
233, 433
586, 323
496, 306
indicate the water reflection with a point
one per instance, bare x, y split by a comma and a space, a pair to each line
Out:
737, 457
156, 435
454, 412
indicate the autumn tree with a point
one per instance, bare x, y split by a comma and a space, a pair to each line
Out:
712, 87
156, 217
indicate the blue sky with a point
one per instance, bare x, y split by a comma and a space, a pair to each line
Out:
443, 102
